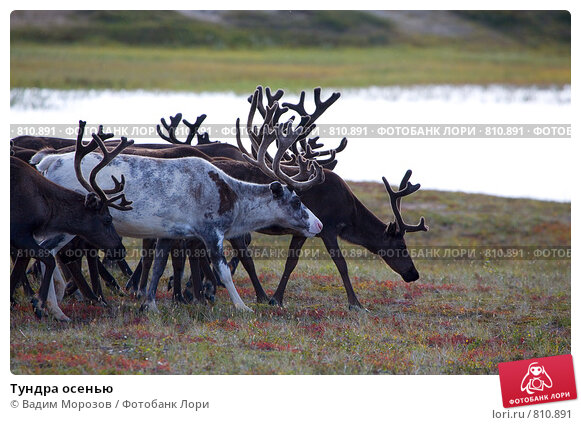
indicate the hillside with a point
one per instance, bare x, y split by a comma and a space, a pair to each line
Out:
228, 29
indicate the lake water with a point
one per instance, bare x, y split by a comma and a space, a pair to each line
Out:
515, 167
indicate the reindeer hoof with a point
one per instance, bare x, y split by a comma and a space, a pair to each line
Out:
188, 296
116, 289
209, 292
243, 307
148, 306
38, 310
179, 299
274, 302
358, 307
129, 286
262, 300
201, 301
63, 319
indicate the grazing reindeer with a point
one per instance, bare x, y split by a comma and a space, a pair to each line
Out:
189, 198
41, 209
342, 214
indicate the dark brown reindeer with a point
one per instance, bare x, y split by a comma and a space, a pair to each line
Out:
24, 148
42, 209
342, 214
37, 143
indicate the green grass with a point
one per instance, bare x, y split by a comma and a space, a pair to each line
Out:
461, 317
75, 66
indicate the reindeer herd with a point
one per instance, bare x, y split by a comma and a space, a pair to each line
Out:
184, 201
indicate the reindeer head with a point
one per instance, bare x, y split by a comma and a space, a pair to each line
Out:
393, 249
99, 229
293, 213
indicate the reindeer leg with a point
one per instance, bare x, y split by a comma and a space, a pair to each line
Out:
108, 277
133, 281
178, 262
62, 283
193, 289
92, 260
48, 263
330, 241
149, 250
20, 277
241, 247
34, 250
124, 267
66, 274
209, 289
162, 250
220, 264
295, 246
18, 274
47, 292
52, 303
79, 281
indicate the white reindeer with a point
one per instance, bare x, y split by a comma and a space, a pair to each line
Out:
189, 198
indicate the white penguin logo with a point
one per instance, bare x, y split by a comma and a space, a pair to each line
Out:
536, 379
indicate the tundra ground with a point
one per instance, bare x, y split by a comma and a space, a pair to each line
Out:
462, 316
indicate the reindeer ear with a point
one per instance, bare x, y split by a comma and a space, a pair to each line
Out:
277, 190
93, 202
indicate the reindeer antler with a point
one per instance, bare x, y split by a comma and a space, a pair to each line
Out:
261, 138
405, 188
309, 148
308, 120
92, 186
172, 126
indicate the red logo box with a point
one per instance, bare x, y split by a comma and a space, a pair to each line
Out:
535, 381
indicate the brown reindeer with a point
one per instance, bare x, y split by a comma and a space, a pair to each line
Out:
341, 213
41, 209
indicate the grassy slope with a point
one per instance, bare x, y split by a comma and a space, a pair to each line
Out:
460, 317
70, 66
